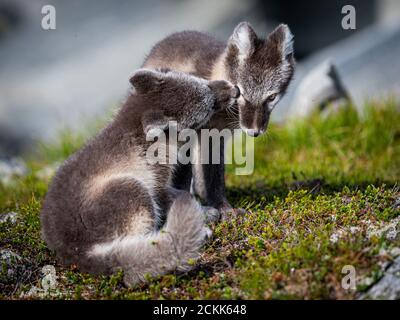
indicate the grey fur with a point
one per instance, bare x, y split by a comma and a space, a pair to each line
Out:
106, 204
261, 68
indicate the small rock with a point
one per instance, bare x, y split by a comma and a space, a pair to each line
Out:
8, 217
395, 252
49, 284
10, 169
392, 234
11, 264
334, 238
396, 204
338, 234
49, 281
9, 257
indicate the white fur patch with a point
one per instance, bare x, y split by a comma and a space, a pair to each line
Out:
120, 243
218, 71
136, 169
187, 66
241, 38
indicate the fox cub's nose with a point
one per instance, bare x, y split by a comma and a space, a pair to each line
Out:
253, 132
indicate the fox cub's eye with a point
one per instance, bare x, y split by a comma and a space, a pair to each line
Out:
236, 92
271, 98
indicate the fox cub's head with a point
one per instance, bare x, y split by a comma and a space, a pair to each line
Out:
168, 95
262, 69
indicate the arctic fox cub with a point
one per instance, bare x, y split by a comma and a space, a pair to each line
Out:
105, 207
261, 68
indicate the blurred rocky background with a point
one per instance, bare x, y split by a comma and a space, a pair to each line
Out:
55, 79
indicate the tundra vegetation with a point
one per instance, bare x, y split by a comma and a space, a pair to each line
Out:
324, 194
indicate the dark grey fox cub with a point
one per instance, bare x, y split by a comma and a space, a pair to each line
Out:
261, 68
104, 207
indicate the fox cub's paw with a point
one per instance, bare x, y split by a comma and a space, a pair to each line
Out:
207, 234
232, 213
211, 214
227, 94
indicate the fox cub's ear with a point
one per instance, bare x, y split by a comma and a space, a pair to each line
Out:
281, 41
243, 38
154, 121
145, 80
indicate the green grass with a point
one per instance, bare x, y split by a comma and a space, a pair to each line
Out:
320, 186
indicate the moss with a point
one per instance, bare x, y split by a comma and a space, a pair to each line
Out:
318, 188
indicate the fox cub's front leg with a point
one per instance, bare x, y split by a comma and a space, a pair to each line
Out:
209, 184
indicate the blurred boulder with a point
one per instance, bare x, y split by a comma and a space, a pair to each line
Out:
388, 287
321, 86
